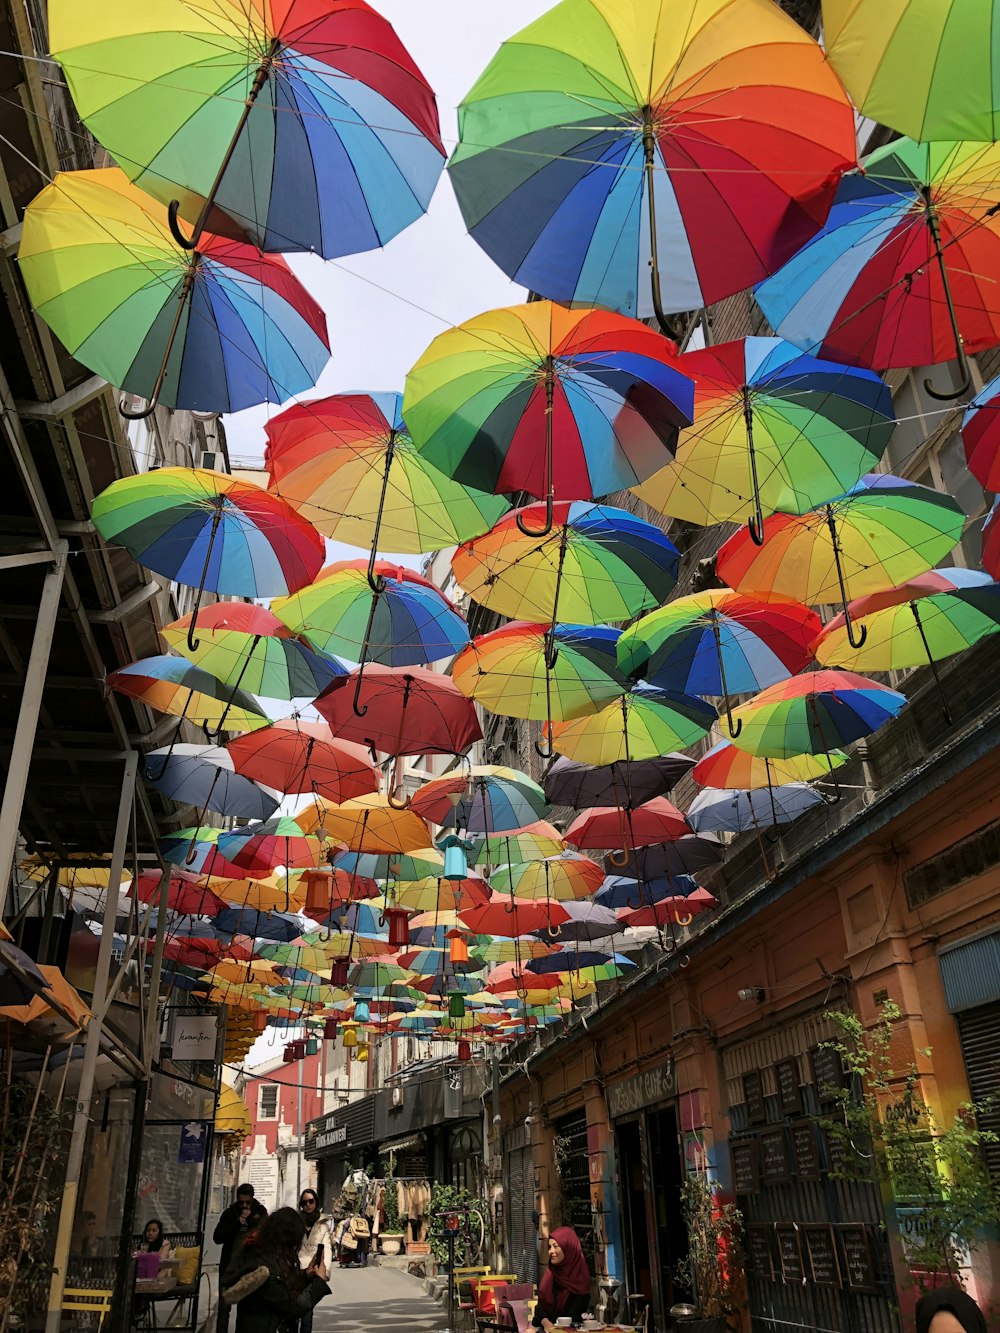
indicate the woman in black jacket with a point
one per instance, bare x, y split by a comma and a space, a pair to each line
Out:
287, 1293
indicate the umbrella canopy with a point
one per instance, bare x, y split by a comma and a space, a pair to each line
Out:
774, 429
609, 131
563, 404
347, 465
642, 724
432, 895
603, 827
568, 782
671, 911
294, 756
902, 273
726, 766
532, 843
684, 856
591, 964
405, 710
292, 125
243, 644
423, 864
195, 850
257, 925
172, 685
216, 329
568, 875
203, 776
737, 811
929, 71
510, 917
596, 564
981, 436
483, 798
367, 824
584, 921
259, 849
991, 541
401, 620
539, 671
620, 891
810, 714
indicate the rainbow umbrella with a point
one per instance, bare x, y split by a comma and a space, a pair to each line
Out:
718, 642
258, 849
432, 895
204, 776
489, 400
981, 436
728, 767
216, 329
195, 850
568, 875
296, 757
482, 798
293, 125
903, 272
209, 531
609, 131
568, 782
929, 71
173, 685
810, 714
642, 724
596, 564
774, 429
426, 863
532, 843
878, 534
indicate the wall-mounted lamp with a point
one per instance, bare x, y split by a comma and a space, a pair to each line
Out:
751, 993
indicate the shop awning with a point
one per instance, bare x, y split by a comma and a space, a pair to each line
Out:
418, 1140
232, 1119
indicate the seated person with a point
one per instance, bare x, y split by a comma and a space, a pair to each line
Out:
153, 1239
564, 1291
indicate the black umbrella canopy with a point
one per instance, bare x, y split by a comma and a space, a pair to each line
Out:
627, 784
683, 856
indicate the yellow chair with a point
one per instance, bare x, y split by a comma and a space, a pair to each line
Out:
94, 1300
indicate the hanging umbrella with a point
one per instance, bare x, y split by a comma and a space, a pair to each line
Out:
482, 798
568, 782
292, 125
532, 843
602, 136
510, 917
506, 949
929, 71
196, 850
489, 402
568, 875
257, 925
368, 824
185, 893
590, 964
642, 724
608, 827
216, 329
774, 429
246, 645
427, 895
596, 564
903, 272
739, 811
172, 685
620, 891
209, 531
258, 849
512, 979
876, 535
203, 776
684, 856
732, 769
991, 541
981, 436
585, 921
672, 911
294, 756
347, 465
280, 890
811, 714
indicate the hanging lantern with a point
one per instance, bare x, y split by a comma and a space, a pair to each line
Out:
465, 1050
350, 1037
338, 971
456, 1004
330, 1030
288, 1054
456, 861
259, 1022
319, 892
458, 946
362, 1011
399, 927
362, 1054
312, 1046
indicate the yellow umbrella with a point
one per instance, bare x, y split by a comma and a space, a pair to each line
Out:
367, 824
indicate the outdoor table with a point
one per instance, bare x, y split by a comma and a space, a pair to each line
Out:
155, 1286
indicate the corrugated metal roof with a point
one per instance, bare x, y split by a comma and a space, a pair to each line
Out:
971, 972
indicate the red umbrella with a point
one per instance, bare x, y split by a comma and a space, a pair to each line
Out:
611, 826
296, 757
258, 849
185, 893
991, 541
678, 911
509, 978
331, 888
509, 918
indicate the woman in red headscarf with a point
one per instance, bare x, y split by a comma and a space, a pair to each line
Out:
564, 1291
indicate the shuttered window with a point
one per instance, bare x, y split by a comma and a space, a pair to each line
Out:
979, 1031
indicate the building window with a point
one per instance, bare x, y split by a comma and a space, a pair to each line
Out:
267, 1101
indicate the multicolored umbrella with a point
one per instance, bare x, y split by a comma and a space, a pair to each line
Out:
903, 272
173, 685
568, 875
215, 330
715, 811
644, 723
195, 850
929, 71
589, 964
481, 798
981, 436
732, 769
719, 642
609, 131
293, 125
209, 531
597, 564
489, 401
568, 782
774, 429
368, 824
204, 776
813, 713
294, 756
347, 465
439, 895
258, 849
534, 842
427, 863
876, 535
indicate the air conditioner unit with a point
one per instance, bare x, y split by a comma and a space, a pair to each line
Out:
397, 1096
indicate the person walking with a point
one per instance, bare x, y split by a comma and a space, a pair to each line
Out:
268, 1262
235, 1224
316, 1247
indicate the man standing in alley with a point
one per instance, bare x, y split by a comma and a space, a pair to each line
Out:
236, 1222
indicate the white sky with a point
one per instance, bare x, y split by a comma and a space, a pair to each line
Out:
375, 336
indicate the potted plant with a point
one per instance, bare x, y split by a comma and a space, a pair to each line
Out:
713, 1267
392, 1236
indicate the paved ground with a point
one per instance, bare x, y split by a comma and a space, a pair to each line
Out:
377, 1300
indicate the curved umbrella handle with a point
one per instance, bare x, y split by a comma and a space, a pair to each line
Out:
960, 357
393, 804
618, 858
550, 389
755, 526
185, 242
849, 627
132, 415
541, 532
182, 301
649, 156
685, 919
963, 388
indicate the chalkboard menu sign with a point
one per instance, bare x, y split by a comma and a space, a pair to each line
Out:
821, 1250
759, 1254
775, 1168
786, 1076
859, 1262
804, 1150
827, 1072
745, 1173
789, 1252
839, 1156
753, 1097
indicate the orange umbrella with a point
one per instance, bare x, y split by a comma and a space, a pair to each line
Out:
293, 756
369, 823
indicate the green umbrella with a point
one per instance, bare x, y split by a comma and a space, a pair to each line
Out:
643, 724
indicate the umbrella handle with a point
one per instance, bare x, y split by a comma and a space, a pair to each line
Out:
182, 301
960, 357
755, 524
192, 642
859, 642
838, 794
649, 154
185, 242
733, 731
932, 664
215, 735
618, 858
550, 389
361, 712
548, 751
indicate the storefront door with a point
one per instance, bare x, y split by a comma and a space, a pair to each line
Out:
649, 1180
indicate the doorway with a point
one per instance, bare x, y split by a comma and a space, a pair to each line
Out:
653, 1234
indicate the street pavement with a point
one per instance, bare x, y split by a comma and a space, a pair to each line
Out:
377, 1300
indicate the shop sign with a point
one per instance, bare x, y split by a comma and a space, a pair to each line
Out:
645, 1089
330, 1138
195, 1037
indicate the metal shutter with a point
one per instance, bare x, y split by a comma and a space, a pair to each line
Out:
979, 1032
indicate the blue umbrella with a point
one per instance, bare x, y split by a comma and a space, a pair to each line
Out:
718, 811
203, 776
258, 925
619, 891
573, 960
